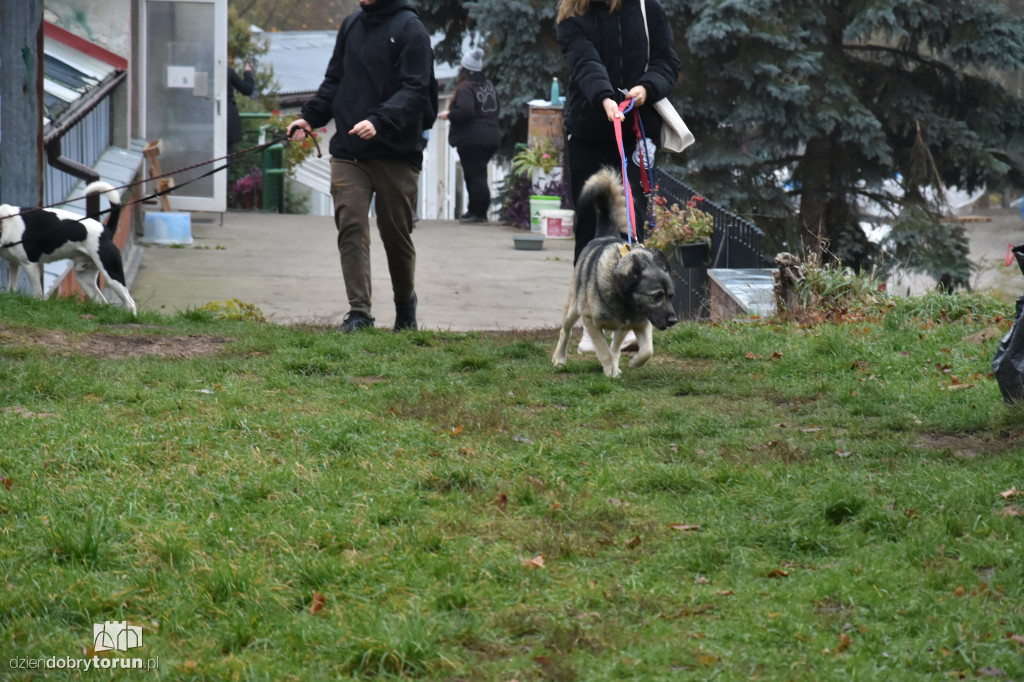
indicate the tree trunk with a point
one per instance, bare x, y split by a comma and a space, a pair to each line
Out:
813, 175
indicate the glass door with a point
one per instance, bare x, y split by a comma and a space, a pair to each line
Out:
184, 105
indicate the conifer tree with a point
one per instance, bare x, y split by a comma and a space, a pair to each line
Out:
807, 110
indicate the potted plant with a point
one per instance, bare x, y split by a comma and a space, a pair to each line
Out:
683, 233
537, 170
247, 191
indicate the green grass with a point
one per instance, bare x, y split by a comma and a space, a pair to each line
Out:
211, 479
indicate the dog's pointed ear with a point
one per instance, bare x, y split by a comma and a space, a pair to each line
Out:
628, 271
661, 260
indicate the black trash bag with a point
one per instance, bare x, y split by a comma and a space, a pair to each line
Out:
1008, 364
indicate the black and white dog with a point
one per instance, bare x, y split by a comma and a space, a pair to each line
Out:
36, 236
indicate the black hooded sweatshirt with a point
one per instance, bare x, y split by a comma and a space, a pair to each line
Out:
380, 77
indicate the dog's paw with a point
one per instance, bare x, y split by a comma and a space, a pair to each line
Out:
638, 360
612, 371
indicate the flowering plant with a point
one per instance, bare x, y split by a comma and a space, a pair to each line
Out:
247, 190
542, 156
675, 225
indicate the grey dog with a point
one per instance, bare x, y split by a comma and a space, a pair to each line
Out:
615, 286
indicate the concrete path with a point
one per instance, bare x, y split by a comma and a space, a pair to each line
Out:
469, 277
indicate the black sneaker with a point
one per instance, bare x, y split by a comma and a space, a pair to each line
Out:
355, 320
405, 315
473, 219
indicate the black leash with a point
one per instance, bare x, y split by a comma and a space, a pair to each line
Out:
260, 147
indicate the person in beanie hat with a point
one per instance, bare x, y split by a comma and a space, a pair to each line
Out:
473, 60
474, 131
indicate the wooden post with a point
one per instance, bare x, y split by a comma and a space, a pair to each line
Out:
21, 103
21, 108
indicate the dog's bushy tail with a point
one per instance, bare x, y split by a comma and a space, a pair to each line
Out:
110, 224
603, 202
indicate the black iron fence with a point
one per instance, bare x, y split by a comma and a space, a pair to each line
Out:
736, 242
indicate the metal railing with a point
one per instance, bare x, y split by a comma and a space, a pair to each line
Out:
735, 243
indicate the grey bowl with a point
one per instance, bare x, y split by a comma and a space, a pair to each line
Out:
528, 242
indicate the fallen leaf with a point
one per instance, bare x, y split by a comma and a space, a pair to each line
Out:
776, 355
537, 484
1015, 638
1011, 511
191, 665
956, 386
777, 573
616, 502
635, 542
844, 641
707, 659
318, 603
8, 483
724, 593
1012, 492
750, 356
685, 527
701, 580
502, 501
535, 562
457, 430
959, 591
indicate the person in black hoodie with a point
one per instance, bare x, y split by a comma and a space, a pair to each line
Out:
377, 90
474, 131
606, 48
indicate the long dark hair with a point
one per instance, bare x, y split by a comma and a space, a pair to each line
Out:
465, 76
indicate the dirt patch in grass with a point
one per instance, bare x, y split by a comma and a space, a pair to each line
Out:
968, 446
549, 336
103, 345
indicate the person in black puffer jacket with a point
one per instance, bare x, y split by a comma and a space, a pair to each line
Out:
378, 91
606, 48
474, 131
611, 59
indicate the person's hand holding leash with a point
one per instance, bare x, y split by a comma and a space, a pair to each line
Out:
611, 109
639, 94
364, 130
298, 129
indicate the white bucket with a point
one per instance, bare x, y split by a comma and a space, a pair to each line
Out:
556, 224
538, 203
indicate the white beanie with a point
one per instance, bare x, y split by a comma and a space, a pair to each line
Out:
473, 60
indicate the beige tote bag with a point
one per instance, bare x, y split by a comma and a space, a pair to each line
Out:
675, 136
